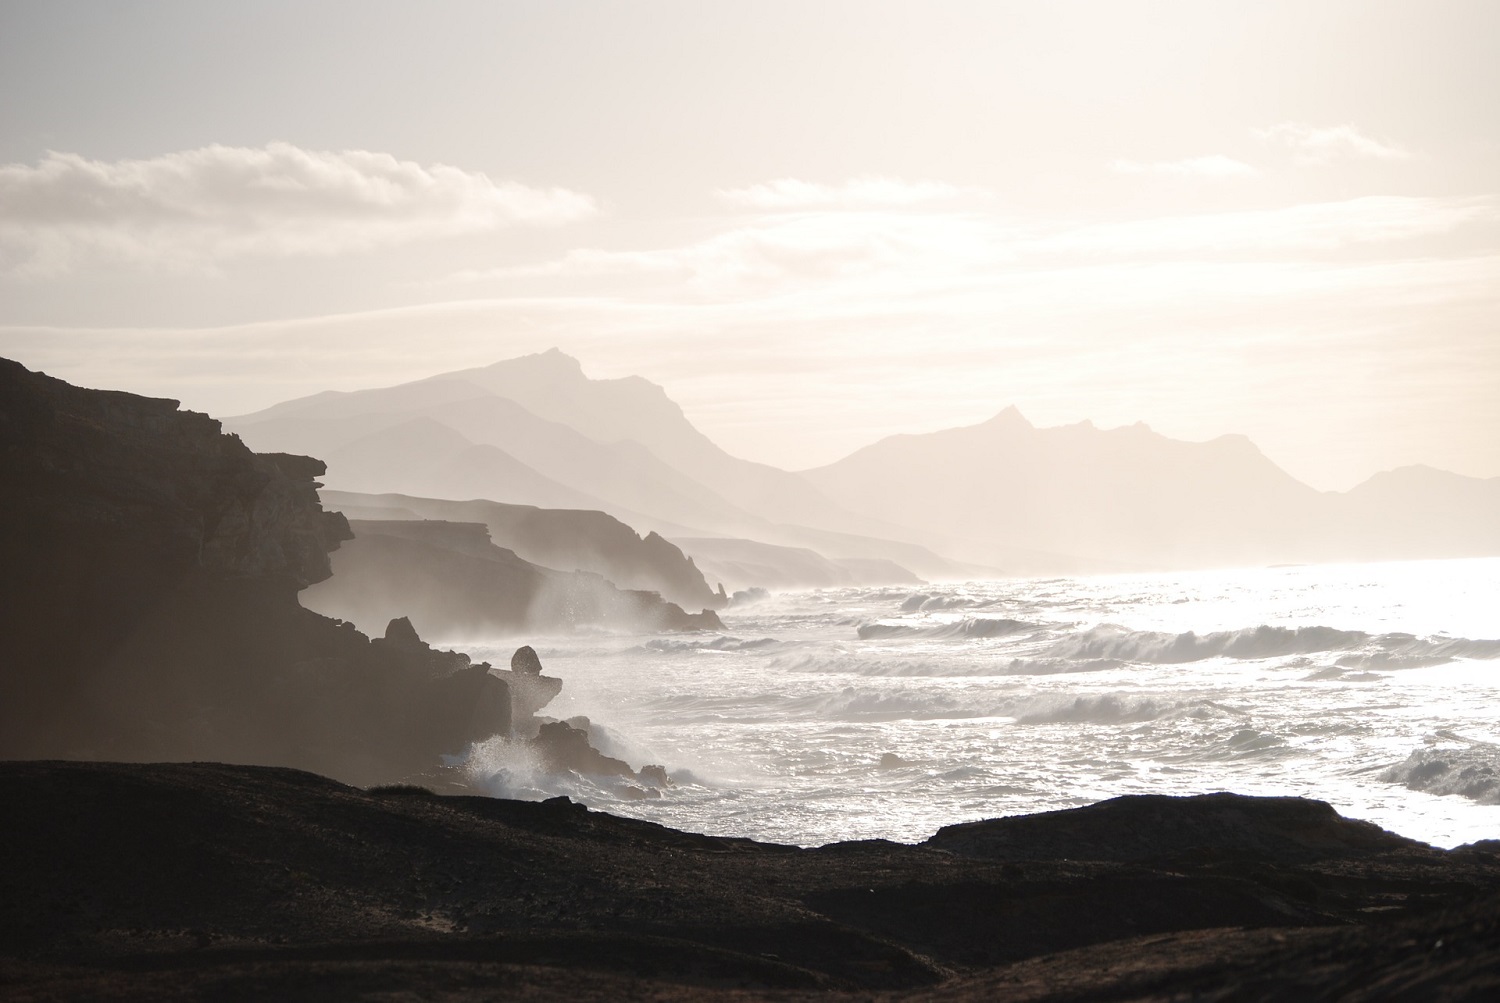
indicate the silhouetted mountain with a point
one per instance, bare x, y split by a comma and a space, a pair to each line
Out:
420, 454
1002, 496
1416, 512
452, 582
1129, 497
450, 438
566, 441
554, 386
564, 539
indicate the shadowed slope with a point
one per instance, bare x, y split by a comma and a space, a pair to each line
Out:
218, 881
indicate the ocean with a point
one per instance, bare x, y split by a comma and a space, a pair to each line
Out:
862, 713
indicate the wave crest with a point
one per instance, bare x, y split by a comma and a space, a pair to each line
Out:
1265, 641
968, 627
1472, 772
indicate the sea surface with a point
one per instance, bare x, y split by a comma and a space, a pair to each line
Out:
888, 712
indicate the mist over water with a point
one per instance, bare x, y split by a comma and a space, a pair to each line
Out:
889, 712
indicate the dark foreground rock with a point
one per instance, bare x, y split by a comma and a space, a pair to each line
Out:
205, 881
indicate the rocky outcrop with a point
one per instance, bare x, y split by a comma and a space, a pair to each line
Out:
203, 881
455, 583
148, 607
530, 690
1145, 827
564, 747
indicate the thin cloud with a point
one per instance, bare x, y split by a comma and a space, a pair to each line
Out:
1322, 144
862, 192
1320, 226
804, 249
194, 207
869, 252
1213, 166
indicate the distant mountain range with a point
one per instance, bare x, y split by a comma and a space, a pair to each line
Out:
1130, 497
999, 498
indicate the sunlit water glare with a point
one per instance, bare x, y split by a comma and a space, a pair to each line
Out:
1015, 696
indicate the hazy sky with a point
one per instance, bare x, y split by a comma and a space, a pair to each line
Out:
814, 223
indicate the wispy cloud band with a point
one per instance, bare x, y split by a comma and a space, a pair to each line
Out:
1323, 144
193, 207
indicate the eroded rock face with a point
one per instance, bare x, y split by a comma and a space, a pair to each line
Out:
149, 608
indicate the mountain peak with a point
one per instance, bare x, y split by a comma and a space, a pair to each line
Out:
553, 361
1011, 416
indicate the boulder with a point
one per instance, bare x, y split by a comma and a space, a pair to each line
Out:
563, 747
525, 661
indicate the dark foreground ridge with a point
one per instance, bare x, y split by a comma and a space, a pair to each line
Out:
206, 881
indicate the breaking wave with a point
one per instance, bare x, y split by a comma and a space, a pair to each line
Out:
1472, 771
923, 601
1264, 641
970, 627
1113, 708
720, 642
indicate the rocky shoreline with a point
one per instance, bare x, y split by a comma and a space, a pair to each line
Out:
209, 881
150, 611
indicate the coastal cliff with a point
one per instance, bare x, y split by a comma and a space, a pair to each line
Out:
455, 583
564, 539
149, 603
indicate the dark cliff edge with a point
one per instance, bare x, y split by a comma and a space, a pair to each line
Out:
149, 609
204, 881
455, 583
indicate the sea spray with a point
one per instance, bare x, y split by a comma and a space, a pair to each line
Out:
1309, 681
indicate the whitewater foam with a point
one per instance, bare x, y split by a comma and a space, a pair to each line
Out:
1307, 681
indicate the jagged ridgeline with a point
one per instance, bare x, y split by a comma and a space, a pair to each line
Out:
1000, 498
149, 604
